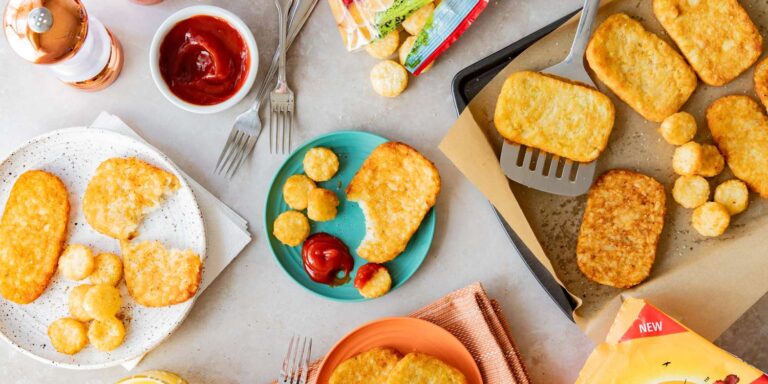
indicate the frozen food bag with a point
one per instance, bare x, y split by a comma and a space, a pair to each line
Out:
362, 21
449, 20
645, 346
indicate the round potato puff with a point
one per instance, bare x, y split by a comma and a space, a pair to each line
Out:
385, 46
76, 262
733, 195
711, 219
108, 270
761, 81
75, 302
406, 48
296, 190
679, 128
68, 335
106, 334
322, 205
712, 162
389, 79
691, 191
291, 228
320, 164
687, 159
373, 280
102, 301
415, 22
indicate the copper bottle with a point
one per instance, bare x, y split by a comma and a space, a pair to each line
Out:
59, 34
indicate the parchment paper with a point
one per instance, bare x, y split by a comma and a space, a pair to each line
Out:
706, 283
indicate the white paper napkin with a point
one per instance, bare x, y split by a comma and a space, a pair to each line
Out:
226, 232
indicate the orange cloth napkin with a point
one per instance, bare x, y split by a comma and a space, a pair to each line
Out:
478, 323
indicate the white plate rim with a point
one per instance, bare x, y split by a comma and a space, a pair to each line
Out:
184, 185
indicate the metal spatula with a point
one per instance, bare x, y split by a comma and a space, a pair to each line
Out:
545, 171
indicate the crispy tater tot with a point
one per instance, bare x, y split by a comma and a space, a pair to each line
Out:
320, 164
102, 301
712, 162
106, 334
108, 270
75, 302
322, 205
415, 22
711, 219
687, 159
67, 335
295, 191
384, 47
389, 79
291, 228
76, 262
373, 280
691, 191
733, 195
678, 128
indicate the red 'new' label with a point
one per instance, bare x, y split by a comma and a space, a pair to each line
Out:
762, 380
652, 322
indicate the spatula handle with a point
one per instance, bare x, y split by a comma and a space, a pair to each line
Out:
584, 30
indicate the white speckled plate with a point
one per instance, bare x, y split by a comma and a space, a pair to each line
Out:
73, 155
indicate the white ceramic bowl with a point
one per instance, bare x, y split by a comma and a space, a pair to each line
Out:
203, 10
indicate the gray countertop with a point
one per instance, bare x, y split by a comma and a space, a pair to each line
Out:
239, 329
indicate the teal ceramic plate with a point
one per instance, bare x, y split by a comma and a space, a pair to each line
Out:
352, 148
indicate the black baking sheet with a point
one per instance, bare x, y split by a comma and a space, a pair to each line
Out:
468, 83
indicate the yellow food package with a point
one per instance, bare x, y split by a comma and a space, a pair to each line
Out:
646, 346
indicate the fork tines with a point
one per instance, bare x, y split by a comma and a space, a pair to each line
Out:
280, 122
295, 369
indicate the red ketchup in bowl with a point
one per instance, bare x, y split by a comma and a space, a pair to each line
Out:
325, 257
204, 60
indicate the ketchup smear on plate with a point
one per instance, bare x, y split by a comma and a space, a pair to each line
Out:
204, 60
325, 257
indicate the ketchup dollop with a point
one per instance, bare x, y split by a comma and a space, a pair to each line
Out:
325, 257
204, 60
365, 274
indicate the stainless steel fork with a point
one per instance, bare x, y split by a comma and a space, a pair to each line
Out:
281, 99
247, 129
295, 369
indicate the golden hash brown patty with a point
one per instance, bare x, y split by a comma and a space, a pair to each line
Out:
740, 129
420, 368
716, 36
761, 81
368, 367
32, 234
121, 192
156, 276
554, 115
640, 68
621, 228
395, 187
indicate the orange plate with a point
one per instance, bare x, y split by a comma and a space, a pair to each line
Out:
405, 334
